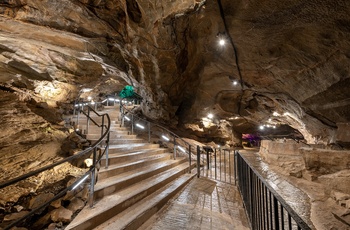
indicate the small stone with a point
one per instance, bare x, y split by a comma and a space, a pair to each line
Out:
42, 222
52, 226
61, 215
40, 199
76, 204
56, 203
18, 208
339, 196
15, 216
297, 174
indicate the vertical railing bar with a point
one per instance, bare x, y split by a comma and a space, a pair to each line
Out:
87, 120
289, 222
149, 132
189, 158
78, 114
271, 222
251, 197
275, 208
220, 163
107, 148
225, 164
229, 164
92, 180
174, 148
215, 164
235, 165
132, 124
263, 204
198, 161
282, 216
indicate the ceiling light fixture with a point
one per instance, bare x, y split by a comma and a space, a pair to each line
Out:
222, 42
210, 116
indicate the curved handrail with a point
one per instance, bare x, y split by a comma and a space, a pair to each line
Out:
90, 172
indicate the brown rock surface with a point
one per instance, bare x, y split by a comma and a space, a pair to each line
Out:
61, 215
284, 65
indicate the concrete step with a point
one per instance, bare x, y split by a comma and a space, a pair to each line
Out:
116, 169
110, 206
110, 185
112, 135
96, 130
119, 158
125, 148
140, 212
116, 141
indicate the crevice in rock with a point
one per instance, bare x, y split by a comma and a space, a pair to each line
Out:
6, 89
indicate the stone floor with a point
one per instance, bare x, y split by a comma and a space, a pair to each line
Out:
202, 204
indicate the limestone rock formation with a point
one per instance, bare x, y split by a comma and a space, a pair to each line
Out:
282, 70
282, 65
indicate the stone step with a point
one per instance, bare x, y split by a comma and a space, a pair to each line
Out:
140, 212
96, 130
110, 206
110, 185
119, 158
116, 169
112, 135
125, 148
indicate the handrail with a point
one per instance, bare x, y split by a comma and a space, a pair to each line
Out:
176, 143
264, 206
90, 172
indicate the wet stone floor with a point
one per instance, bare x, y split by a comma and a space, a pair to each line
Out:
202, 204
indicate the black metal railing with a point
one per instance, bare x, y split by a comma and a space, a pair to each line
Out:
218, 163
97, 150
265, 208
150, 129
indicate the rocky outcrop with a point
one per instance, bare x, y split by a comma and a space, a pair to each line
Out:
280, 67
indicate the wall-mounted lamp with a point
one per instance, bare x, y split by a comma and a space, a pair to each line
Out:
165, 138
140, 126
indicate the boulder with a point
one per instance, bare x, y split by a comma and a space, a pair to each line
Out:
76, 204
39, 200
61, 215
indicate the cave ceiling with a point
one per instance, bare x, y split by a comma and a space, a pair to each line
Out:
284, 65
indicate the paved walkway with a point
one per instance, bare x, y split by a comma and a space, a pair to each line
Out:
202, 204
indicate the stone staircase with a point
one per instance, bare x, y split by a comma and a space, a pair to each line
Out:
140, 179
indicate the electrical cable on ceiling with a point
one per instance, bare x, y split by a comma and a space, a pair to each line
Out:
222, 14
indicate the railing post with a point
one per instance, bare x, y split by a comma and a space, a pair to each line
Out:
107, 147
174, 148
198, 161
78, 112
275, 212
88, 120
92, 181
215, 162
234, 165
189, 158
132, 124
103, 124
207, 150
149, 132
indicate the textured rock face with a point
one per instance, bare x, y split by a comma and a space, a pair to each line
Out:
283, 64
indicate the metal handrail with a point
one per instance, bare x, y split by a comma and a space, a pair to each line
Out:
264, 206
91, 171
176, 143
